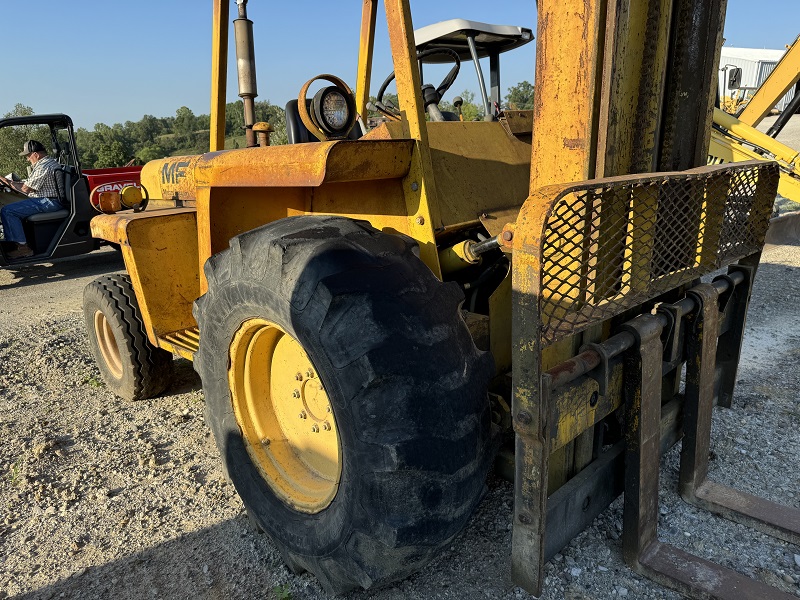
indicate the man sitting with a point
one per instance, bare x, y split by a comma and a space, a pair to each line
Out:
42, 194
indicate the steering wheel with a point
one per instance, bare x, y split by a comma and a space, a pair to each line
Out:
431, 96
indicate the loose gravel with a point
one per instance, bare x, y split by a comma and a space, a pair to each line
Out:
103, 498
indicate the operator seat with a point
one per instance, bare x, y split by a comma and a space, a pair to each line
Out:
40, 228
298, 133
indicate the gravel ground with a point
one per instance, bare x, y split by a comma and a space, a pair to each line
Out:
789, 135
107, 499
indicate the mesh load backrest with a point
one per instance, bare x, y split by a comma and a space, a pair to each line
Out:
610, 245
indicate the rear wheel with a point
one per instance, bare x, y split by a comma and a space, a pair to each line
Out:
346, 397
131, 366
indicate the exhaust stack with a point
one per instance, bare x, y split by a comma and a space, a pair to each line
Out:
246, 69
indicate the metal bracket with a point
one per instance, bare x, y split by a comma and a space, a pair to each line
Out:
671, 567
773, 519
601, 373
734, 302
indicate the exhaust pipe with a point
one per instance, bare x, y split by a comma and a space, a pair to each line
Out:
246, 69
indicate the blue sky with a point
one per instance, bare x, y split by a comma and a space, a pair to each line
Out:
112, 62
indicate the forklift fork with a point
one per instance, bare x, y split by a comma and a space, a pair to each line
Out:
600, 257
670, 566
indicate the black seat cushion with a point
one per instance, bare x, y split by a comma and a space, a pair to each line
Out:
296, 130
46, 217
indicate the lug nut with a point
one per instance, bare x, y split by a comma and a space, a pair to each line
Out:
265, 442
326, 426
299, 377
315, 428
296, 394
303, 415
309, 373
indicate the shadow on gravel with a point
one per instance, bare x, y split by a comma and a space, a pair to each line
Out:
185, 379
95, 263
207, 563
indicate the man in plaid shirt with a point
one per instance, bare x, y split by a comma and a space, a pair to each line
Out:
42, 194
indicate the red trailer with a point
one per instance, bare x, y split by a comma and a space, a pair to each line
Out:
110, 180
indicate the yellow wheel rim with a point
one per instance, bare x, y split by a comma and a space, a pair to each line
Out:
107, 344
285, 416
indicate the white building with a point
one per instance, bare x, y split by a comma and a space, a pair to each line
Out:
756, 65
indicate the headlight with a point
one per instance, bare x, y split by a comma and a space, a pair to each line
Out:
333, 111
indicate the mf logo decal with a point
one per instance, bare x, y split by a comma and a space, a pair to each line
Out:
173, 172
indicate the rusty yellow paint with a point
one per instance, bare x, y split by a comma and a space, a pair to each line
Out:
567, 87
456, 257
171, 178
366, 44
576, 415
500, 325
219, 73
184, 342
782, 152
479, 168
285, 416
725, 149
563, 149
154, 244
634, 73
641, 231
419, 186
785, 75
298, 165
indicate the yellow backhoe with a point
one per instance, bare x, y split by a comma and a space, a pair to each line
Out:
379, 316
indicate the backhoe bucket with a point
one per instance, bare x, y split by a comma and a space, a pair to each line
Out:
610, 270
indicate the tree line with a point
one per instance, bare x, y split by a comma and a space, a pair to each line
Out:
138, 142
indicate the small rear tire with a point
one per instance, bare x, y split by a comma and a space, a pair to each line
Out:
132, 367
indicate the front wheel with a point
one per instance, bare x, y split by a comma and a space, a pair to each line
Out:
346, 396
132, 367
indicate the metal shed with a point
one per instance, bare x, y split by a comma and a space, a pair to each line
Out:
756, 65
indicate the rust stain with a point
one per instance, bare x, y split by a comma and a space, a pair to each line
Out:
574, 143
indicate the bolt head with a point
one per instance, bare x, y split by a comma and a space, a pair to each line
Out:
296, 394
315, 428
299, 377
524, 417
414, 186
326, 426
420, 220
303, 415
309, 373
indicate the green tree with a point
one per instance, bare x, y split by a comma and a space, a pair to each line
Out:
264, 111
469, 110
12, 138
520, 96
111, 154
185, 121
148, 153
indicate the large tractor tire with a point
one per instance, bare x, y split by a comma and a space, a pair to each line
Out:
346, 396
132, 367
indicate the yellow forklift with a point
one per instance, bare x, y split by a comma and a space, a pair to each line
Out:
379, 316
